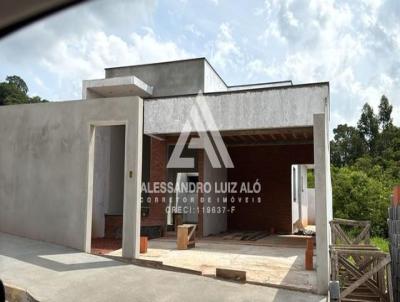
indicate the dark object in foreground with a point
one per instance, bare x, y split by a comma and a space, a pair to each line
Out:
17, 14
334, 291
394, 238
2, 292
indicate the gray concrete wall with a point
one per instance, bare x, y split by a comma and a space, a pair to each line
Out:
170, 78
214, 222
323, 199
100, 180
45, 172
258, 109
116, 175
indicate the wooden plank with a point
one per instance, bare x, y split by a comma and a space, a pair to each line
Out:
185, 236
182, 238
363, 235
389, 283
371, 284
355, 247
230, 274
366, 276
351, 222
342, 234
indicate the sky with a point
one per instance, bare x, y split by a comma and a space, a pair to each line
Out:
355, 45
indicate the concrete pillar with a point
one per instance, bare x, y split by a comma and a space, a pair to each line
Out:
132, 184
323, 200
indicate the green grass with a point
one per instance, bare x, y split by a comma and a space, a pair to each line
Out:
381, 243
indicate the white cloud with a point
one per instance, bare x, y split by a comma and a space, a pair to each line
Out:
79, 43
75, 59
353, 44
350, 44
258, 11
191, 28
38, 81
226, 52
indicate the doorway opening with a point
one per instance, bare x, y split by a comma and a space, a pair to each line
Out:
183, 208
182, 205
303, 198
108, 188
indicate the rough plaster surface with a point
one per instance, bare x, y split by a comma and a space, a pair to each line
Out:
323, 199
243, 110
44, 154
170, 78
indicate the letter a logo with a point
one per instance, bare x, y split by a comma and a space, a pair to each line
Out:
200, 120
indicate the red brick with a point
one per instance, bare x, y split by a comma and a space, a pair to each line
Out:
158, 163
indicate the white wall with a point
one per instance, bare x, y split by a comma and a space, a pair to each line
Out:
311, 205
295, 194
212, 82
189, 208
214, 223
303, 195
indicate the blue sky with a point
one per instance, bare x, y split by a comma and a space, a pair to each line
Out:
355, 45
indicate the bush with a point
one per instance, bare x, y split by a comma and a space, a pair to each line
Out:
361, 197
381, 243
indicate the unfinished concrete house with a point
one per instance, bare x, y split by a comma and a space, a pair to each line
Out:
83, 173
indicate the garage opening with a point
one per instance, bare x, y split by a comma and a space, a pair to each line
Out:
258, 235
272, 167
108, 188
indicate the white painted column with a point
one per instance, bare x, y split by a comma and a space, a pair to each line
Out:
132, 183
323, 200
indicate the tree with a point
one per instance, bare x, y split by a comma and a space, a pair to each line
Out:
37, 99
361, 197
14, 91
368, 125
346, 146
11, 94
366, 163
18, 83
385, 112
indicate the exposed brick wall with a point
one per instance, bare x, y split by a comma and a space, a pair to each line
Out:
271, 165
158, 163
113, 226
